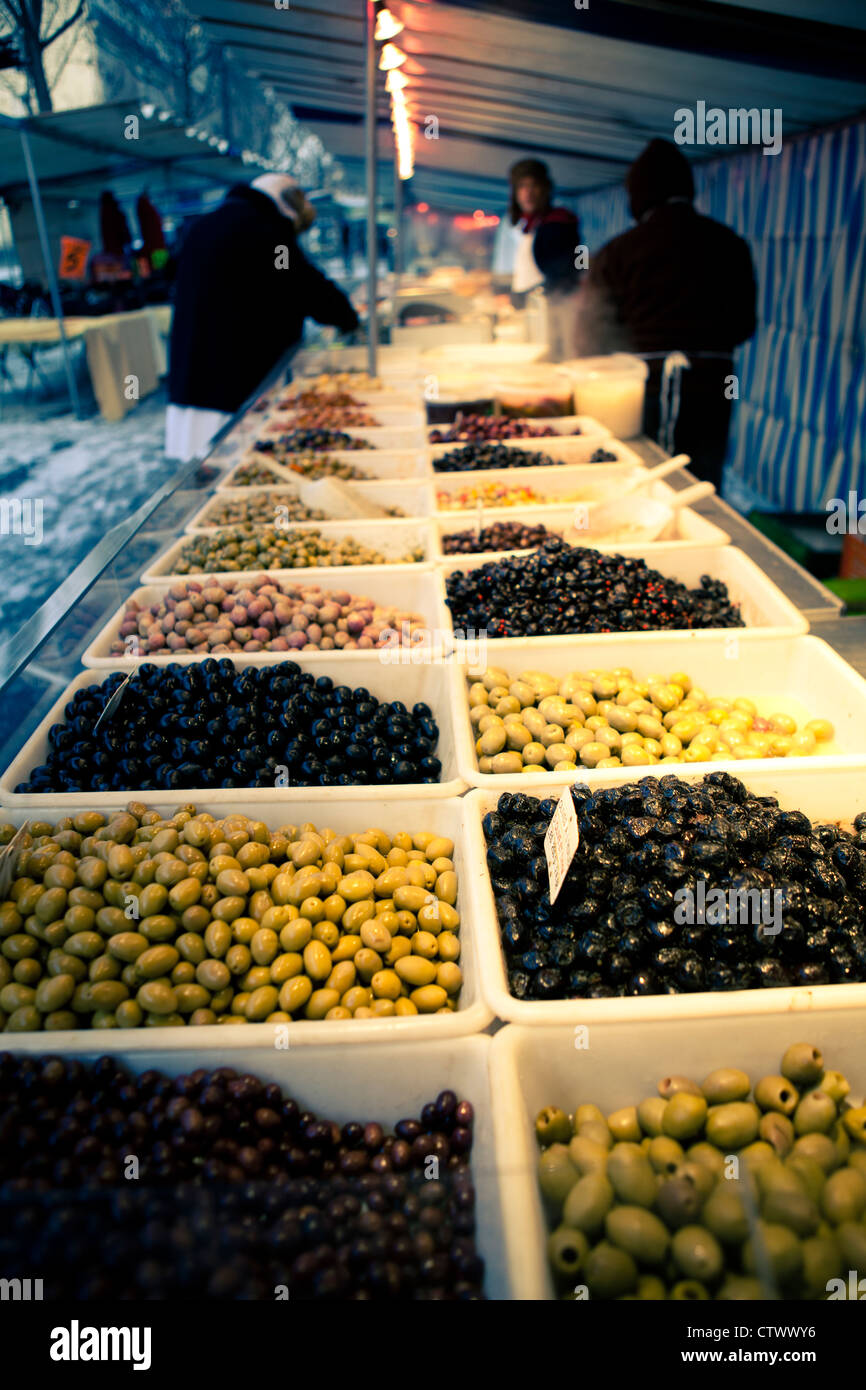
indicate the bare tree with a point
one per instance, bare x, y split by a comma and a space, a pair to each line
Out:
31, 27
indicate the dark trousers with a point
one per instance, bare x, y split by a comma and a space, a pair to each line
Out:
704, 418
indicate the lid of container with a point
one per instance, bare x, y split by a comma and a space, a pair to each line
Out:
615, 364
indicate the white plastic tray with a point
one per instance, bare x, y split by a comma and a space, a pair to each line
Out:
590, 438
801, 676
411, 417
833, 794
764, 608
353, 814
582, 482
408, 437
390, 536
410, 683
417, 593
388, 397
378, 464
416, 500
534, 1067
687, 527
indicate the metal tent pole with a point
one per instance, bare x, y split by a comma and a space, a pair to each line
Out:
372, 230
53, 287
398, 225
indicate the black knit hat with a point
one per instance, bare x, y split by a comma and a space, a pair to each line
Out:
528, 169
660, 172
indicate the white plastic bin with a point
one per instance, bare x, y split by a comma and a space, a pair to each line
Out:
832, 794
799, 676
534, 1067
431, 682
398, 465
351, 814
417, 592
390, 536
611, 388
414, 499
764, 608
564, 429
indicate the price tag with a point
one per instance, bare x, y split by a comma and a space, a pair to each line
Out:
9, 856
73, 258
560, 842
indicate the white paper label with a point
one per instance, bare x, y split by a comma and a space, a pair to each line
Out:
560, 842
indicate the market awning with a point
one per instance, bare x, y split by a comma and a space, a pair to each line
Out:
95, 142
583, 88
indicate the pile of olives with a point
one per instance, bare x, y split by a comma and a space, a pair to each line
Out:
148, 920
654, 1201
249, 547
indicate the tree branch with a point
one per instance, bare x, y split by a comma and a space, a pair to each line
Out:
67, 24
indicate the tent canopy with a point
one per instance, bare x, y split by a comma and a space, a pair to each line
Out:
583, 88
73, 148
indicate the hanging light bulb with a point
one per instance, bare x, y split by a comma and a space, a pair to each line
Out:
147, 109
392, 57
388, 26
396, 81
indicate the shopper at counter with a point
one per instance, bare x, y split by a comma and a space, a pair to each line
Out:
546, 251
677, 280
243, 290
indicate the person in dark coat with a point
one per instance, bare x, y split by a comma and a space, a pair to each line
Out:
677, 280
244, 288
546, 250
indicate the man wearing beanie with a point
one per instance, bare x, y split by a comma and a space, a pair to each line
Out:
677, 280
546, 251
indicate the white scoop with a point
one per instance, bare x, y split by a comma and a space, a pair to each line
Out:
631, 518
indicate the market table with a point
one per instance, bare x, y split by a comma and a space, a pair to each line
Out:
118, 346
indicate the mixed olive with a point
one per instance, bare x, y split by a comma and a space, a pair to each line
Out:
271, 547
536, 722
500, 535
491, 427
710, 1190
138, 920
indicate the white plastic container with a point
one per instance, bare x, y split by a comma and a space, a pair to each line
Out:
415, 500
764, 608
386, 417
391, 536
686, 527
611, 388
572, 450
351, 814
397, 465
564, 431
534, 1067
831, 794
408, 437
799, 676
417, 592
569, 483
431, 683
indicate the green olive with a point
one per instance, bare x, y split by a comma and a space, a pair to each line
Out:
724, 1214
567, 1250
803, 1064
820, 1147
557, 1174
685, 1115
665, 1154
815, 1113
782, 1249
588, 1201
822, 1261
852, 1240
678, 1085
587, 1155
689, 1291
650, 1113
678, 1201
552, 1126
639, 1232
609, 1272
843, 1198
778, 1131
624, 1125
733, 1125
632, 1176
708, 1156
777, 1093
738, 1288
724, 1085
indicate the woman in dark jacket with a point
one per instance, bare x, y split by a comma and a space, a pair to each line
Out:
546, 252
243, 290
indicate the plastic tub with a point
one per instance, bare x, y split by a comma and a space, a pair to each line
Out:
829, 794
764, 608
408, 437
415, 499
612, 389
566, 426
540, 391
567, 484
534, 1067
686, 527
577, 449
418, 593
386, 417
397, 465
390, 536
799, 676
350, 814
432, 683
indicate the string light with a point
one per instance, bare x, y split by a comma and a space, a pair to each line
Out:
403, 134
396, 81
392, 57
388, 26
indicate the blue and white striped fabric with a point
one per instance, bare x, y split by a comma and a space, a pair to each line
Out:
798, 432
